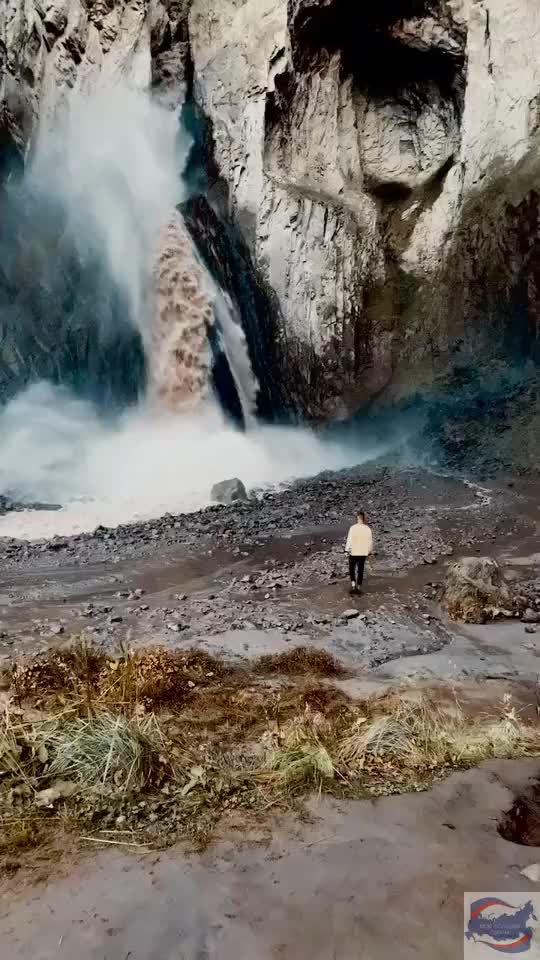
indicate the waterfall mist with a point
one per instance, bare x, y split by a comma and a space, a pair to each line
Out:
97, 196
56, 449
113, 163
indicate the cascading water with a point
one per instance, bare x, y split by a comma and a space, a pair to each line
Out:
100, 201
177, 342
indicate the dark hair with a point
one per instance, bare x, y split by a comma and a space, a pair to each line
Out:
361, 514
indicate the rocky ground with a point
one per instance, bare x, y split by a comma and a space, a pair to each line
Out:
251, 577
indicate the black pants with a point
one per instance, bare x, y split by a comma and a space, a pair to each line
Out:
356, 570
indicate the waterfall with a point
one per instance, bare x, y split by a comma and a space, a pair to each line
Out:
177, 341
190, 311
124, 358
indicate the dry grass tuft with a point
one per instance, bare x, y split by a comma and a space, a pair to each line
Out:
300, 662
74, 668
425, 735
157, 676
305, 764
108, 750
17, 835
383, 736
152, 677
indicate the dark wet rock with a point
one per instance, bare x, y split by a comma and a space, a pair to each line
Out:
229, 491
7, 505
57, 544
531, 616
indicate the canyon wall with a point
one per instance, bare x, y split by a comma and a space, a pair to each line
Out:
382, 167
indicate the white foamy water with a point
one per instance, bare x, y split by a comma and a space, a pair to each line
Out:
56, 450
113, 161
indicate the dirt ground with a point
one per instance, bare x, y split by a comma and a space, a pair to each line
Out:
361, 878
359, 881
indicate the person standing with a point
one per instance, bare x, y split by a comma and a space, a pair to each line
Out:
359, 546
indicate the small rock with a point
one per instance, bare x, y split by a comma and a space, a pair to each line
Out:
350, 614
56, 629
115, 618
60, 790
532, 872
530, 629
531, 616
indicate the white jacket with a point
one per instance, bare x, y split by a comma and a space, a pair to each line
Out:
360, 540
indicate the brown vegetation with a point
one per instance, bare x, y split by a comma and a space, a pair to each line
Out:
301, 661
159, 745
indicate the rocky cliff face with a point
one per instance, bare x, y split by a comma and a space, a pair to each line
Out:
382, 166
49, 47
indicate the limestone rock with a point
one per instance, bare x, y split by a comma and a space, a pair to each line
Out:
54, 46
228, 491
382, 168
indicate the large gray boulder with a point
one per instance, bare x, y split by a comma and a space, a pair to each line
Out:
229, 491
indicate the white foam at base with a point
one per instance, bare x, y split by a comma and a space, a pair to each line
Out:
55, 449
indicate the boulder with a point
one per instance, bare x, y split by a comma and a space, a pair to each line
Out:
476, 591
229, 491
